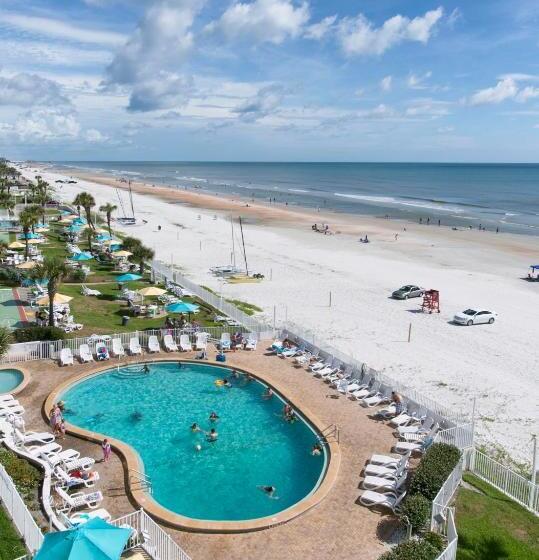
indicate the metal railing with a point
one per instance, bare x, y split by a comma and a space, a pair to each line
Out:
137, 477
460, 436
50, 350
147, 534
19, 513
508, 482
450, 531
445, 495
164, 273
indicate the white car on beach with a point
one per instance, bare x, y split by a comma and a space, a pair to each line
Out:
475, 317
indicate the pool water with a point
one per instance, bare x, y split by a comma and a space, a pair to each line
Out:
10, 379
154, 412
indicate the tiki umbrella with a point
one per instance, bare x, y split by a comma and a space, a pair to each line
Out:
58, 299
16, 245
121, 254
27, 265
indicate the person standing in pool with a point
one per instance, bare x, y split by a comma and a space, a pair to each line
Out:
213, 417
195, 428
212, 435
267, 394
146, 369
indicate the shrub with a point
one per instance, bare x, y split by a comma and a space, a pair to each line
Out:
25, 476
416, 511
436, 540
5, 341
411, 550
439, 460
77, 275
10, 277
39, 333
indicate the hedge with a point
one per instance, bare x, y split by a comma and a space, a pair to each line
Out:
412, 549
438, 462
415, 510
31, 334
25, 476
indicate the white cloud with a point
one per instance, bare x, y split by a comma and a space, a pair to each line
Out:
428, 108
266, 101
504, 89
519, 77
164, 91
418, 82
319, 30
358, 36
43, 125
529, 92
454, 17
94, 136
27, 90
386, 83
445, 129
262, 20
61, 29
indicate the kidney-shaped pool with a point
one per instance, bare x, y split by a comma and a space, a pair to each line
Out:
191, 476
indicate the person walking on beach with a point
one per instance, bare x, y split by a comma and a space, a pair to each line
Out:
105, 446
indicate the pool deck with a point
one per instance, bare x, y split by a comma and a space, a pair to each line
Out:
338, 527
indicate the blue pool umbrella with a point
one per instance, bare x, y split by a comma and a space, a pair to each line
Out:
94, 540
82, 257
29, 236
129, 277
79, 221
103, 237
182, 307
74, 228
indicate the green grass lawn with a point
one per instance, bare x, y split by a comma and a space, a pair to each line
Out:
493, 527
10, 542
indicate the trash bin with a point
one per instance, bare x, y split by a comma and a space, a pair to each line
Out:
125, 320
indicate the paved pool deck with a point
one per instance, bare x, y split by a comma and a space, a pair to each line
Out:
336, 528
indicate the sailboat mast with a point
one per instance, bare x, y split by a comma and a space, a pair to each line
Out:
233, 244
121, 201
243, 243
131, 199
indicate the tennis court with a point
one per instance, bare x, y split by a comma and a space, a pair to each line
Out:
11, 309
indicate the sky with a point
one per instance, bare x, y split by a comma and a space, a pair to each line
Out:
270, 80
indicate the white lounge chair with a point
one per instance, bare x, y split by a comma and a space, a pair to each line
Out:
85, 354
413, 446
66, 357
57, 457
358, 384
225, 341
169, 344
420, 436
37, 450
185, 343
7, 405
251, 342
84, 463
117, 348
383, 484
201, 341
85, 291
364, 393
84, 516
33, 437
65, 480
376, 399
6, 398
78, 500
153, 344
404, 419
423, 428
134, 346
388, 472
11, 411
385, 460
390, 500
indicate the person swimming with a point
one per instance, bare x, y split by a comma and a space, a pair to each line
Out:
146, 369
226, 383
267, 394
291, 417
179, 364
136, 416
195, 427
214, 417
212, 435
235, 374
269, 491
316, 449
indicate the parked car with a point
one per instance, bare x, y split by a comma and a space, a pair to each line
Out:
475, 317
408, 291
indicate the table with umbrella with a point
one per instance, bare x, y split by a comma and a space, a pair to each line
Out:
150, 291
82, 256
182, 307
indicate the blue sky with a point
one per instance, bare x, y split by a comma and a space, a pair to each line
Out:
270, 80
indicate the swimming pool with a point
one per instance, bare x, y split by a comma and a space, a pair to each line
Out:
10, 379
153, 413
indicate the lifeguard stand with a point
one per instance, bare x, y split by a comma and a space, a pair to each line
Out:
431, 301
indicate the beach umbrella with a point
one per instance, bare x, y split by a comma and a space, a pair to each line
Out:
36, 241
151, 291
94, 540
112, 242
128, 277
103, 237
16, 245
29, 235
27, 265
121, 254
65, 221
42, 229
182, 307
58, 298
74, 228
82, 257
80, 221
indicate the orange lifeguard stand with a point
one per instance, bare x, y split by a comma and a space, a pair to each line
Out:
431, 301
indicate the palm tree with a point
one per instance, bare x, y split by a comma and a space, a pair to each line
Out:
90, 235
55, 270
87, 201
141, 254
131, 243
27, 220
108, 209
7, 201
35, 209
77, 203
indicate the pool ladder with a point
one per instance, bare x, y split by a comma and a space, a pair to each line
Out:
143, 480
330, 433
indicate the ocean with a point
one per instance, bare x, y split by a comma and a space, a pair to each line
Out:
503, 196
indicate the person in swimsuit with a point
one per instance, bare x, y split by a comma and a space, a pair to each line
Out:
105, 446
212, 435
146, 369
316, 449
195, 427
213, 417
226, 383
269, 491
267, 394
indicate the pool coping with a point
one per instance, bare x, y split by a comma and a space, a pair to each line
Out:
131, 461
26, 378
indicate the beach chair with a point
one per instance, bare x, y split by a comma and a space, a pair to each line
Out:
422, 428
390, 500
201, 341
169, 344
379, 483
78, 500
367, 392
33, 437
6, 398
117, 348
373, 469
85, 354
404, 419
185, 343
82, 463
251, 342
385, 460
84, 516
420, 436
421, 446
54, 458
48, 448
65, 480
66, 357
153, 344
134, 346
17, 410
102, 353
290, 352
225, 341
9, 404
377, 399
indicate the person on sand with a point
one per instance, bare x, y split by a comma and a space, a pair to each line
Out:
105, 446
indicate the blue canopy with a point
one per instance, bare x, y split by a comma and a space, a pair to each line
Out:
30, 236
79, 221
103, 237
535, 267
82, 257
74, 228
182, 307
128, 277
94, 540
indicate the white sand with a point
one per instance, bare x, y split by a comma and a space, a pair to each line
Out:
498, 364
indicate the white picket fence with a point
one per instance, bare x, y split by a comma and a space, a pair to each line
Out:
440, 504
450, 531
19, 513
164, 273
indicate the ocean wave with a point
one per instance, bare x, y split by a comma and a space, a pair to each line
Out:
194, 179
426, 205
366, 198
299, 190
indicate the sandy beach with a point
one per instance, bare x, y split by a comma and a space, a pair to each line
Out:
497, 364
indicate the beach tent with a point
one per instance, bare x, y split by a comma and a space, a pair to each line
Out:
128, 277
58, 299
16, 245
182, 307
82, 257
94, 540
